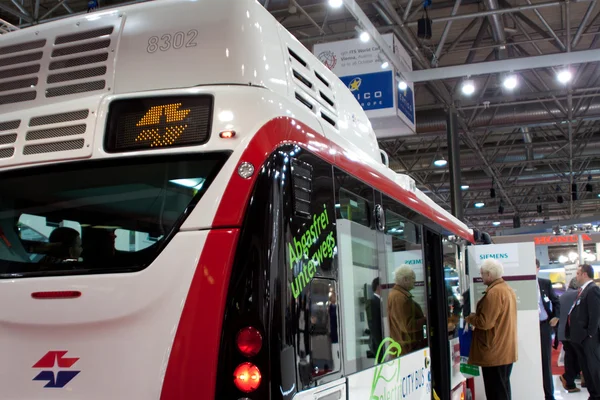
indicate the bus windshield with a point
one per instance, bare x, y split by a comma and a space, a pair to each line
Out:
97, 216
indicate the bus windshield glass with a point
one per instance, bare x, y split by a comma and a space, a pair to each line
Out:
97, 216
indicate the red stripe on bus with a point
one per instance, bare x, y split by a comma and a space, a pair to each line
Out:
284, 130
192, 368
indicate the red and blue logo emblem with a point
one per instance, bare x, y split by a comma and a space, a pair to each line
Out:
57, 370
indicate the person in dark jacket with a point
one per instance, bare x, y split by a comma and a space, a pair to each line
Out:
572, 367
549, 312
375, 320
583, 328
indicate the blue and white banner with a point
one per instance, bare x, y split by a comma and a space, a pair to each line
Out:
359, 65
373, 91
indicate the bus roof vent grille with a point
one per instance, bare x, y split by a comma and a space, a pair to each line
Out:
9, 125
91, 34
8, 139
308, 77
59, 64
53, 147
56, 132
302, 184
7, 153
58, 118
25, 46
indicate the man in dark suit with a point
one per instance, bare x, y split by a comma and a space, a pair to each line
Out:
572, 367
549, 311
583, 328
375, 325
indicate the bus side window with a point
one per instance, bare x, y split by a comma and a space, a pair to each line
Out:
406, 297
359, 271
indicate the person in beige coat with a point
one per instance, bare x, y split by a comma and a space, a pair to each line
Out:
494, 342
406, 318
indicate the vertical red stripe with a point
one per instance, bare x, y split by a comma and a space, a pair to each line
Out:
192, 368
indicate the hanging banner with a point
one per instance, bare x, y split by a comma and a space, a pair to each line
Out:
361, 67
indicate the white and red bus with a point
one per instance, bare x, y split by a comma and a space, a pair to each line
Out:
193, 207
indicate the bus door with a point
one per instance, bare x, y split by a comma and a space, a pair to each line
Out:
438, 322
373, 241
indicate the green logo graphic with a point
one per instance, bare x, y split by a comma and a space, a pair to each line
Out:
387, 371
300, 248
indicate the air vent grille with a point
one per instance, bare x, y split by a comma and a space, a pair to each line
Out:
55, 132
8, 139
7, 153
302, 183
9, 125
81, 48
20, 47
76, 37
76, 88
313, 90
58, 118
53, 147
79, 63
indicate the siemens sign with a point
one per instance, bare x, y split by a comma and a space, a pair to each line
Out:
499, 256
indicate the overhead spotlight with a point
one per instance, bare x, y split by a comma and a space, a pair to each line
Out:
468, 87
402, 85
539, 208
574, 191
589, 187
385, 64
492, 193
510, 82
440, 163
559, 199
364, 37
479, 205
336, 3
500, 209
564, 76
496, 223
464, 187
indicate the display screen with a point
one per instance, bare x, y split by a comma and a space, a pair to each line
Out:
158, 123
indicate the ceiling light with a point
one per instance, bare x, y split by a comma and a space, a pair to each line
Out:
468, 87
563, 259
440, 163
479, 205
402, 85
385, 64
365, 37
510, 82
336, 3
464, 187
496, 223
564, 76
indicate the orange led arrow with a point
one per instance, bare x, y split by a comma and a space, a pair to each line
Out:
153, 116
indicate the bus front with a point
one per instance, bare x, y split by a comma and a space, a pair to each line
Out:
122, 193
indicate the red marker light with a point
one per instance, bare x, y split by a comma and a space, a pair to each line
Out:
249, 341
227, 134
247, 377
65, 294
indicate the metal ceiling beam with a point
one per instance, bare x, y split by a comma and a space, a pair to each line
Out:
515, 64
493, 12
14, 12
583, 24
444, 36
548, 27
